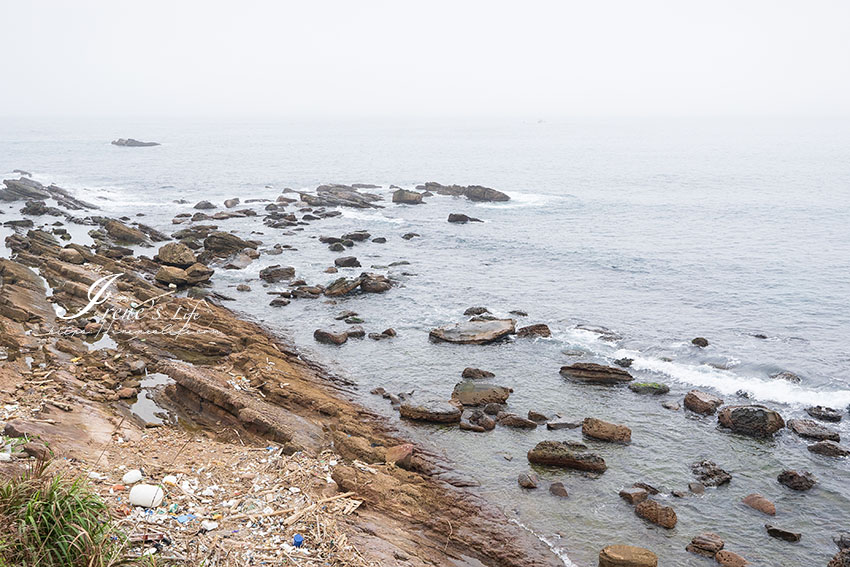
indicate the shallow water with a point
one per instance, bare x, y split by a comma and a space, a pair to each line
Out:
660, 231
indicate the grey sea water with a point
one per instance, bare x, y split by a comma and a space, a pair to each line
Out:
659, 230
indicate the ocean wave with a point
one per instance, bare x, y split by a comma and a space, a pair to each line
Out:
360, 215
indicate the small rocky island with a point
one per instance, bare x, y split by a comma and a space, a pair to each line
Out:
132, 143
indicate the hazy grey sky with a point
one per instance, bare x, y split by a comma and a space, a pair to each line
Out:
560, 58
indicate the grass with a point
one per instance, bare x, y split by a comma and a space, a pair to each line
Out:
47, 520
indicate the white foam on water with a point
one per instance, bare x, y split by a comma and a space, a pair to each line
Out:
556, 550
359, 215
523, 200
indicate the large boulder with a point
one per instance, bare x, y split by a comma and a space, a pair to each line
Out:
566, 455
374, 283
627, 556
473, 192
198, 273
459, 218
22, 189
276, 273
123, 234
537, 330
702, 402
604, 431
175, 254
753, 420
342, 286
436, 411
479, 393
172, 275
595, 373
225, 244
329, 337
407, 197
476, 332
812, 430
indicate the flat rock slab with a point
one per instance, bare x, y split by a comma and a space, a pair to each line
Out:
475, 332
813, 430
627, 556
436, 411
479, 393
561, 454
596, 373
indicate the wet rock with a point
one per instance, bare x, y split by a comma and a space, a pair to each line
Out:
760, 503
276, 273
824, 414
701, 342
782, 534
728, 558
225, 244
356, 236
527, 480
842, 541
409, 235
627, 556
279, 302
175, 254
379, 240
829, 449
198, 273
407, 197
482, 420
374, 283
604, 431
812, 430
436, 411
538, 330
624, 362
342, 286
356, 332
243, 287
653, 388
71, 256
787, 376
707, 544
462, 219
346, 262
702, 402
493, 409
238, 262
123, 234
672, 406
336, 247
634, 495
475, 332
230, 203
515, 421
595, 373
476, 373
558, 489
329, 338
203, 205
561, 454
472, 192
841, 559
557, 424
478, 393
537, 417
709, 474
753, 420
800, 481
172, 275
471, 311
656, 513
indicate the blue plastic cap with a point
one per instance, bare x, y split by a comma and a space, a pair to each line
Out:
297, 540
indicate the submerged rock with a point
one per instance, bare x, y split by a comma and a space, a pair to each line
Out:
514, 420
436, 411
527, 480
754, 420
812, 430
475, 332
708, 473
653, 388
824, 414
558, 489
562, 454
596, 373
701, 342
462, 219
760, 503
782, 534
787, 376
634, 495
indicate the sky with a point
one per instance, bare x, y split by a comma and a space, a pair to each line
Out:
401, 58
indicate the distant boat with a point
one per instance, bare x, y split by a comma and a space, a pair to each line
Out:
131, 143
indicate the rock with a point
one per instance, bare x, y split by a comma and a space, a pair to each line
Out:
279, 302
604, 431
561, 424
656, 513
672, 406
696, 487
374, 283
702, 402
794, 480
829, 449
754, 420
243, 287
842, 541
131, 143
760, 503
123, 234
779, 533
787, 376
225, 244
471, 311
407, 197
538, 330
527, 480
478, 393
175, 254
329, 338
276, 273
400, 455
126, 393
707, 544
356, 236
409, 235
709, 474
230, 203
37, 450
462, 219
436, 411
727, 558
824, 414
700, 342
475, 332
346, 262
595, 373
198, 273
493, 409
627, 556
476, 373
204, 205
537, 417
356, 332
812, 430
561, 454
558, 489
841, 559
514, 420
634, 495
482, 420
473, 192
624, 362
653, 388
72, 256
342, 286
172, 275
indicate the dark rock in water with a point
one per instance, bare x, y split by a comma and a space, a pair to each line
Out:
627, 556
634, 495
204, 205
337, 195
800, 481
462, 219
476, 373
230, 203
754, 420
342, 286
131, 143
829, 449
379, 240
337, 247
198, 273
841, 559
279, 302
346, 262
595, 373
478, 393
560, 424
648, 487
18, 189
824, 414
696, 487
787, 376
707, 544
482, 420
225, 244
476, 311
672, 406
172, 275
811, 430
561, 454
374, 283
276, 273
123, 234
409, 235
436, 411
842, 541
175, 254
493, 409
709, 474
649, 388
329, 338
702, 402
356, 332
604, 431
537, 417
538, 330
624, 362
527, 480
473, 192
475, 332
356, 236
779, 533
558, 489
407, 197
515, 421
656, 513
701, 342
760, 503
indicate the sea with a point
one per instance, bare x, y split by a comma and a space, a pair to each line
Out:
627, 237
